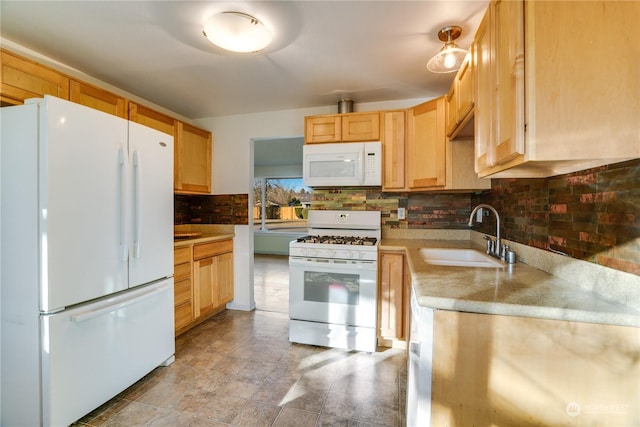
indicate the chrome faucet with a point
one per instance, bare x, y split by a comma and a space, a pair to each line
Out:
496, 250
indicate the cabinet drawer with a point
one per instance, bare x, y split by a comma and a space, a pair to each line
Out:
181, 255
211, 249
182, 292
182, 271
183, 315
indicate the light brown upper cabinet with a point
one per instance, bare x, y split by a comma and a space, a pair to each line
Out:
433, 162
426, 146
548, 102
192, 159
151, 118
394, 145
23, 79
417, 156
460, 101
98, 99
348, 127
318, 129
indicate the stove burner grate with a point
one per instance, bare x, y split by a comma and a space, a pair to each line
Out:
339, 240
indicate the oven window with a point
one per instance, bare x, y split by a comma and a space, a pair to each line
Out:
335, 288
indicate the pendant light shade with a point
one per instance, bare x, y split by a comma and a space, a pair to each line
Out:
450, 57
237, 32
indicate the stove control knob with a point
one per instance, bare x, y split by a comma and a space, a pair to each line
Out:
350, 254
332, 254
360, 255
313, 252
305, 251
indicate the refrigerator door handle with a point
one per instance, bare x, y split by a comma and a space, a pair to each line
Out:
137, 207
97, 312
122, 169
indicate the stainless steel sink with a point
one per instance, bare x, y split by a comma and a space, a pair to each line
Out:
459, 258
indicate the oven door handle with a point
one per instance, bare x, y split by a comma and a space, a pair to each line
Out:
315, 262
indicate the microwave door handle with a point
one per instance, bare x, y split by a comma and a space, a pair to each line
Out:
361, 166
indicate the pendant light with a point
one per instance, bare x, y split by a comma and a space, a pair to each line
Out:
237, 32
450, 57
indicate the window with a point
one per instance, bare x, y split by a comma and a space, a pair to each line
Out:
286, 205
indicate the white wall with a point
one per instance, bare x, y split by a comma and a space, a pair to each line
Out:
233, 169
282, 171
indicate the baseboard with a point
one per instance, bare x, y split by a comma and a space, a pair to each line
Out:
241, 307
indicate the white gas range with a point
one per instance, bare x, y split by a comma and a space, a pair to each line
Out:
333, 280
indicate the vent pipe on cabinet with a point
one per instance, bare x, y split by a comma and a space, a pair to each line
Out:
345, 106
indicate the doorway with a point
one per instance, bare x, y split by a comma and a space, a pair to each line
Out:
279, 203
271, 282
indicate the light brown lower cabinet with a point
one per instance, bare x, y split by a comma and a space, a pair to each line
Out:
393, 302
517, 371
182, 289
203, 285
390, 299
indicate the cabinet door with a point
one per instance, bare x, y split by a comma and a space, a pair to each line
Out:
151, 118
426, 145
22, 79
560, 366
225, 277
204, 271
482, 121
464, 86
452, 109
591, 106
508, 27
98, 99
391, 306
322, 129
192, 159
361, 127
393, 150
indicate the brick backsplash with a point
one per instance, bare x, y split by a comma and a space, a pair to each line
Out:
593, 215
423, 210
211, 209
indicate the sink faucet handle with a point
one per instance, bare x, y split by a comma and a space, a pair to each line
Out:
490, 244
503, 251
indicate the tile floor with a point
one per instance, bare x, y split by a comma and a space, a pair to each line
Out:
239, 369
271, 282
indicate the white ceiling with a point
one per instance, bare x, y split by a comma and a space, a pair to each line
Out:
323, 50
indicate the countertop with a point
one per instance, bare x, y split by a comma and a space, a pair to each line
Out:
203, 238
515, 290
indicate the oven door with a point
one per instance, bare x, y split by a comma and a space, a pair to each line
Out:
337, 291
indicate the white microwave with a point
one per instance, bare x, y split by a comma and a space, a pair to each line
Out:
344, 164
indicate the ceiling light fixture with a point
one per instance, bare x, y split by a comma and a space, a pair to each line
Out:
450, 56
237, 32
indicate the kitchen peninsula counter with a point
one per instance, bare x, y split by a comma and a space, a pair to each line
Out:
202, 233
203, 238
514, 290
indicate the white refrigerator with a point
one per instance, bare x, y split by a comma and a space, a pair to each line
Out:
87, 259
